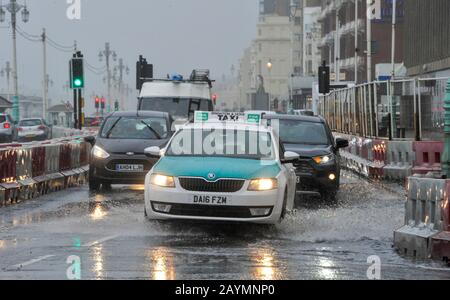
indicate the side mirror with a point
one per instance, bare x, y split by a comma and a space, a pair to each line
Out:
290, 157
341, 143
90, 140
153, 152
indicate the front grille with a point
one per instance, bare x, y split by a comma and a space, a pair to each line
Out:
220, 186
112, 164
303, 167
240, 212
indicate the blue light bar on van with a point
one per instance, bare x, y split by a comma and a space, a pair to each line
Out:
177, 77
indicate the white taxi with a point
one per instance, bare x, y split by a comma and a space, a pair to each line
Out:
222, 167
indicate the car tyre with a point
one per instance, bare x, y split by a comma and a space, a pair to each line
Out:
284, 210
94, 184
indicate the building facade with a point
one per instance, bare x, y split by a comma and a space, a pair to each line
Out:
341, 23
427, 38
269, 62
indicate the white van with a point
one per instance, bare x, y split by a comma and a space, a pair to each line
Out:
177, 96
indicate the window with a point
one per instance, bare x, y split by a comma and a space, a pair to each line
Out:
135, 128
300, 132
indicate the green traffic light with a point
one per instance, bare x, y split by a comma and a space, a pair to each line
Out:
77, 82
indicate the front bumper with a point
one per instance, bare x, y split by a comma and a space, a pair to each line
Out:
105, 170
313, 179
236, 210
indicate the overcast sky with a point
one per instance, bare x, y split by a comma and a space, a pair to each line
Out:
176, 35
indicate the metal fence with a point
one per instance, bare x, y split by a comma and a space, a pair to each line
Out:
409, 109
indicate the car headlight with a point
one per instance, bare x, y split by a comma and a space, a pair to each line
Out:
98, 152
263, 184
162, 180
323, 160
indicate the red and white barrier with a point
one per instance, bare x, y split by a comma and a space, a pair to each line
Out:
428, 157
426, 233
33, 170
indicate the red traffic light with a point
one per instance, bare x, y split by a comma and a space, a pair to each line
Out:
103, 99
214, 98
97, 100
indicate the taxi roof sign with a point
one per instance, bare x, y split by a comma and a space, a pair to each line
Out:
227, 117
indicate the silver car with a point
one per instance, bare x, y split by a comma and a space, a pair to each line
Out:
33, 130
7, 129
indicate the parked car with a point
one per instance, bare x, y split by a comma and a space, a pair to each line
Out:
7, 128
35, 129
318, 168
118, 151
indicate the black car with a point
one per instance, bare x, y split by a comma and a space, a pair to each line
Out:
318, 168
117, 155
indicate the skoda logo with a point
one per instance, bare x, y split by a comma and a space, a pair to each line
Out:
211, 176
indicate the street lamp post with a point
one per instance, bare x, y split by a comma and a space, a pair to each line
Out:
7, 71
121, 67
13, 7
269, 68
293, 13
107, 53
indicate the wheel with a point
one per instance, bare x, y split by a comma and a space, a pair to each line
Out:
284, 210
94, 184
106, 185
330, 197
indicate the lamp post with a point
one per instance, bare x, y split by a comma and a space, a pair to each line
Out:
7, 71
269, 68
107, 53
13, 8
121, 68
293, 12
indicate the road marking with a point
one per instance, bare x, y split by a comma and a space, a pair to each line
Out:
30, 262
434, 269
100, 241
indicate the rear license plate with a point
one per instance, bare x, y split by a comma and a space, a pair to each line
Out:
130, 168
211, 200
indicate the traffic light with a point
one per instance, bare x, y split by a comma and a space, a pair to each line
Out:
116, 106
97, 102
324, 79
144, 71
102, 102
214, 98
76, 73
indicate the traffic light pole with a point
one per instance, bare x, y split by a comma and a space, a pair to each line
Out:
75, 108
80, 109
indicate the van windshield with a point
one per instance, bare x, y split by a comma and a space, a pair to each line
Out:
178, 108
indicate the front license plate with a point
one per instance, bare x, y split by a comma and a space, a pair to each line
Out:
130, 168
211, 200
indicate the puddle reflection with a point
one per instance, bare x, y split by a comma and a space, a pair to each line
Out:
265, 264
162, 267
326, 268
97, 257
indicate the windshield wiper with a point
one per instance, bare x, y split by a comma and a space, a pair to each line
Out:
152, 130
111, 129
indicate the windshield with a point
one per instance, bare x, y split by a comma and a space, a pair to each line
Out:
301, 132
222, 143
176, 107
30, 123
135, 128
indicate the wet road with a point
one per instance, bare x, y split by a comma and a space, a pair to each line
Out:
110, 235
